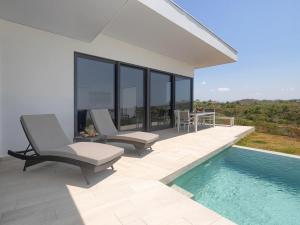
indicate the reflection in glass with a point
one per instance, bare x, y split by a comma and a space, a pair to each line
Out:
182, 93
160, 100
95, 89
131, 98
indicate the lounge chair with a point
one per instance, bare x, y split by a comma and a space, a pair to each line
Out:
48, 142
105, 126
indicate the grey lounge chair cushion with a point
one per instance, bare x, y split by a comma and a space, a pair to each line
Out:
93, 153
141, 137
105, 126
103, 122
44, 132
48, 138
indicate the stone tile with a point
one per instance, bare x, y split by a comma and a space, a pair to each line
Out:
41, 214
223, 221
180, 221
55, 193
96, 218
131, 220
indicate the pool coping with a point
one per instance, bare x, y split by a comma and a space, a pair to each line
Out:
267, 151
171, 177
137, 180
212, 154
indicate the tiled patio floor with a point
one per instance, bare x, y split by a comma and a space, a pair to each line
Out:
133, 194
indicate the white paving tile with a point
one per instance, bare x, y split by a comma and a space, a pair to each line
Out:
55, 193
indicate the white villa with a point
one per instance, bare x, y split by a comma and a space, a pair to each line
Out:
135, 58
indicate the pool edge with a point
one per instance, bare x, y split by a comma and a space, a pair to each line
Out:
171, 177
267, 151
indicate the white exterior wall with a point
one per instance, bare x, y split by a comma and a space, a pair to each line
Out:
1, 106
38, 75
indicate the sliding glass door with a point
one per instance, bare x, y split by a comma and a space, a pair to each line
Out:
132, 95
183, 93
95, 89
137, 98
160, 100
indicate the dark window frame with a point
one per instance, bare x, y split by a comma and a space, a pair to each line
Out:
95, 58
147, 88
171, 103
191, 90
144, 69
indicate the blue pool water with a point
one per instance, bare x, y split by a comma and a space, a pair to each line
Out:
248, 187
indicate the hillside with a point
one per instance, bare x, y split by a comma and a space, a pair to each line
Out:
278, 117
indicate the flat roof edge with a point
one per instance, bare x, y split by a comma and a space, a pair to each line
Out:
202, 26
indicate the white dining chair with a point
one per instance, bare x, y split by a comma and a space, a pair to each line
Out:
185, 120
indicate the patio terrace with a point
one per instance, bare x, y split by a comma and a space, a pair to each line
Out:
135, 193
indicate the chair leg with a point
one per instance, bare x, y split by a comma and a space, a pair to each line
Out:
31, 162
84, 174
140, 151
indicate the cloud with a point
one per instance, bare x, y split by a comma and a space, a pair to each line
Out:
223, 89
203, 83
288, 89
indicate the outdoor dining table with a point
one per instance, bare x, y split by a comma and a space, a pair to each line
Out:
197, 115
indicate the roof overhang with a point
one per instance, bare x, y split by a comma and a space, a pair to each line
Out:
157, 25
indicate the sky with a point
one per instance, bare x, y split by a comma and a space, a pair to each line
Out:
266, 34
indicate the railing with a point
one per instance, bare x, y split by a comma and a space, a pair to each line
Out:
224, 118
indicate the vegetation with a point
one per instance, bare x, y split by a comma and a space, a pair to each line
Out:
272, 142
277, 123
272, 117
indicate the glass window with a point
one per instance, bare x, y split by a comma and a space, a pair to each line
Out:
182, 93
132, 114
160, 100
95, 89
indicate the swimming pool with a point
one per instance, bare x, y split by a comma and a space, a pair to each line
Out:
247, 187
